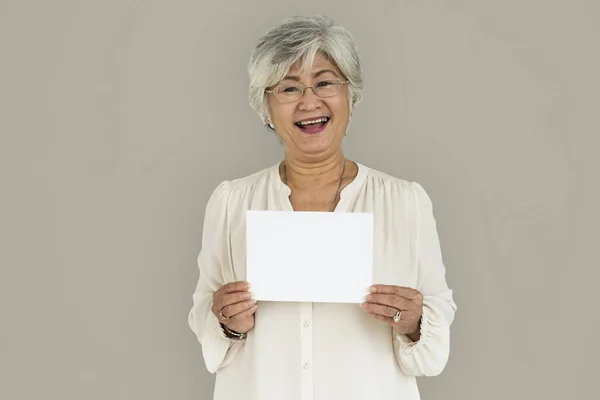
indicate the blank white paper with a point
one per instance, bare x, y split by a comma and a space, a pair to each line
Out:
309, 256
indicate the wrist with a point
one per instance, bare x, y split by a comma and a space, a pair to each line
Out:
414, 334
231, 334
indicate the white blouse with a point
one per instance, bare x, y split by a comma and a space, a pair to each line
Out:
322, 351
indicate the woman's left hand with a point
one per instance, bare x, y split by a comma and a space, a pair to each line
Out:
385, 301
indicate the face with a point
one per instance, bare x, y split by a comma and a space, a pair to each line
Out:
315, 140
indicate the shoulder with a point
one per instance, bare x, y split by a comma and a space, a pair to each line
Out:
389, 181
395, 186
238, 187
252, 181
407, 195
384, 179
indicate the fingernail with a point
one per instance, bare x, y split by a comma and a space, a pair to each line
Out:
373, 289
363, 305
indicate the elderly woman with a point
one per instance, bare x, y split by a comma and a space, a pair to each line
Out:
305, 81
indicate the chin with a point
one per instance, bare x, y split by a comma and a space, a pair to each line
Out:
315, 145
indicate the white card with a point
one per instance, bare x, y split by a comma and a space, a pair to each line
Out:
309, 256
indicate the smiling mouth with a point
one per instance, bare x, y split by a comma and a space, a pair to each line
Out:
315, 125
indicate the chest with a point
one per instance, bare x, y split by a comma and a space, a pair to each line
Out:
324, 199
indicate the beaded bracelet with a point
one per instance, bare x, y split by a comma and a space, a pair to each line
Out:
232, 334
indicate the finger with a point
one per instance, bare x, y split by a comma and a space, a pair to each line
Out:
392, 300
400, 327
232, 287
382, 318
228, 299
409, 293
237, 309
246, 313
381, 310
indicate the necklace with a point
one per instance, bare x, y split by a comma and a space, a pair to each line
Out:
337, 192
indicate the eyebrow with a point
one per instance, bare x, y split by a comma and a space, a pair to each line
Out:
315, 75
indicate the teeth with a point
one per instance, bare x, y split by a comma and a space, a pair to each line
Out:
314, 121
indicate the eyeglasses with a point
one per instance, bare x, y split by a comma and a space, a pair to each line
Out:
291, 92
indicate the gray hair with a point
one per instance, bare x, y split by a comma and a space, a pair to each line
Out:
301, 38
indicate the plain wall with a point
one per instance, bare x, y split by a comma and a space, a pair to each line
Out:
119, 118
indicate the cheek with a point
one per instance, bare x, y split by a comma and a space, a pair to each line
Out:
341, 107
282, 114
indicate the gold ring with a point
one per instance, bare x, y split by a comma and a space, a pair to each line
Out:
224, 318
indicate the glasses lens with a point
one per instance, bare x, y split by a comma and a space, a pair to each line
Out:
327, 88
289, 92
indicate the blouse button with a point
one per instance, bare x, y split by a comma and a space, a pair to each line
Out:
305, 324
306, 366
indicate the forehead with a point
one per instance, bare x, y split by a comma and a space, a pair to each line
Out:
321, 62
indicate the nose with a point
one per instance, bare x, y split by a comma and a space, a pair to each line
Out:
309, 100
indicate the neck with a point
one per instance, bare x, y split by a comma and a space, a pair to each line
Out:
302, 174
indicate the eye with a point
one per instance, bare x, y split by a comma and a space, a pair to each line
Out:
325, 83
289, 89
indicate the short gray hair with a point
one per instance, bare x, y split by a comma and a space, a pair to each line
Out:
301, 38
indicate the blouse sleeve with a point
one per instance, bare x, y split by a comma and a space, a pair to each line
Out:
213, 259
429, 355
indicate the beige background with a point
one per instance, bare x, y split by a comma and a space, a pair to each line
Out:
118, 118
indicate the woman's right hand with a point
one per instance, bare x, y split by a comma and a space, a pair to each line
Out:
233, 306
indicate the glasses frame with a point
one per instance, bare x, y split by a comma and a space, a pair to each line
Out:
340, 82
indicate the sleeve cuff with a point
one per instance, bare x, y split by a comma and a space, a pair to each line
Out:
215, 344
406, 344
